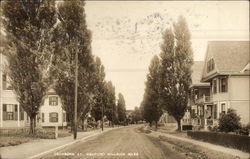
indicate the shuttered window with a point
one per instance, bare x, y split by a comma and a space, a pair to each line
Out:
10, 112
53, 117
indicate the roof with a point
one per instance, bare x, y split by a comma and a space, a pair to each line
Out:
197, 69
230, 57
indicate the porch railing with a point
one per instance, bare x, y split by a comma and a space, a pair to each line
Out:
204, 99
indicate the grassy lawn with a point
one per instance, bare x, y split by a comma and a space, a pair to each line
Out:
194, 151
176, 133
11, 137
13, 140
169, 130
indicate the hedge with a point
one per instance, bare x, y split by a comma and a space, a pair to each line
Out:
240, 142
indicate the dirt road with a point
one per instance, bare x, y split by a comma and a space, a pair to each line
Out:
124, 143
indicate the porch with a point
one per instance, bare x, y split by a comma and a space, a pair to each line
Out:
204, 113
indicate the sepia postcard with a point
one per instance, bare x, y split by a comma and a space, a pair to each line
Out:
90, 79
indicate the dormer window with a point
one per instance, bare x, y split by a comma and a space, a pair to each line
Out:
210, 65
53, 100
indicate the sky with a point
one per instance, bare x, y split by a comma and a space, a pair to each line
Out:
127, 34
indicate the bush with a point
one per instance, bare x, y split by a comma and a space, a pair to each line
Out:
244, 130
229, 122
230, 140
213, 128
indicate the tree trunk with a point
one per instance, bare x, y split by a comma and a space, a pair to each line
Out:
32, 126
112, 124
150, 124
156, 125
179, 125
72, 126
34, 122
82, 124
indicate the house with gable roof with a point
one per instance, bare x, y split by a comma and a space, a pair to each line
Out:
199, 99
227, 69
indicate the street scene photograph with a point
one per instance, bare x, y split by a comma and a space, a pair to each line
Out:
100, 79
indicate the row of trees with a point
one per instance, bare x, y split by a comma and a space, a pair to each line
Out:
46, 42
169, 76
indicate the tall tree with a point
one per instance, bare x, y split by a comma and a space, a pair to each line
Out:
111, 102
136, 115
29, 26
121, 109
152, 109
73, 38
176, 61
99, 88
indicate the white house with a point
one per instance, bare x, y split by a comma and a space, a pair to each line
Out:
12, 115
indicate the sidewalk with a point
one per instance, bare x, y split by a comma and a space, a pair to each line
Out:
40, 147
230, 151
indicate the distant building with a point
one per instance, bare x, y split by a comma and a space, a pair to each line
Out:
227, 69
11, 113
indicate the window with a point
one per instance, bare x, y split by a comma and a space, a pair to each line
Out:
10, 116
53, 117
9, 112
214, 86
5, 83
223, 108
210, 65
43, 117
53, 100
223, 84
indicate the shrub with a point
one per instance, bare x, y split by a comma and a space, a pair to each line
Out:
244, 130
230, 140
213, 128
229, 122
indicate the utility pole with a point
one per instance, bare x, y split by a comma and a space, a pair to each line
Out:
76, 91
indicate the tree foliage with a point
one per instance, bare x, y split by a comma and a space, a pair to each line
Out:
99, 89
152, 110
73, 38
110, 106
175, 72
29, 26
136, 115
121, 109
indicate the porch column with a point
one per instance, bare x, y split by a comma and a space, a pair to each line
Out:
18, 115
205, 117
